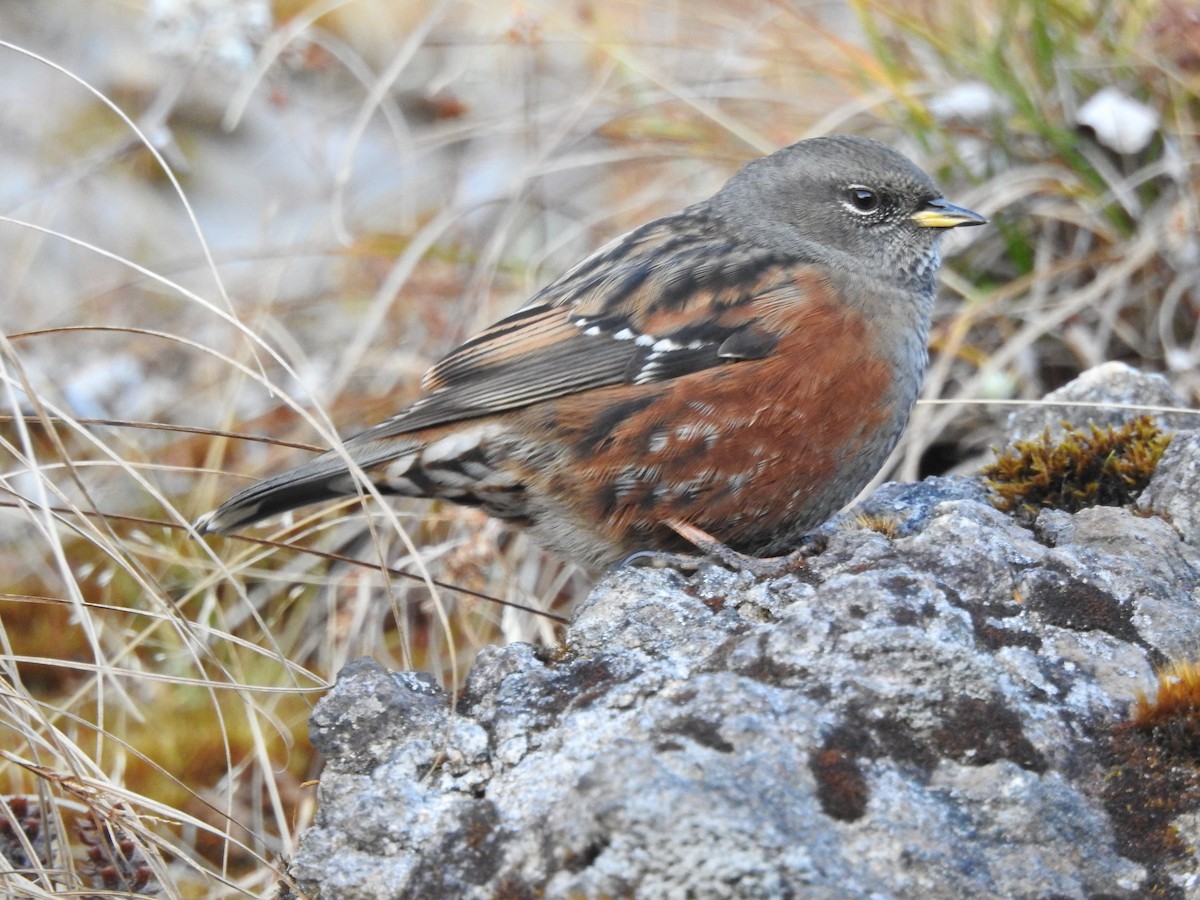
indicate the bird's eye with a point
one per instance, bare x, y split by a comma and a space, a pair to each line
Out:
862, 199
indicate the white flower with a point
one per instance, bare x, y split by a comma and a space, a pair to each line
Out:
973, 101
1120, 123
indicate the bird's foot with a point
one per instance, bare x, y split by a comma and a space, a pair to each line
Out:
662, 559
758, 566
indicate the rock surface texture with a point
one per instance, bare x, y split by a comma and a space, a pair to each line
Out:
940, 711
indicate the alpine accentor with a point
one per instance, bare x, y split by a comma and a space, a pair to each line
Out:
737, 370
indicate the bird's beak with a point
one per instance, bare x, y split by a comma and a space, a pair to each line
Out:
941, 213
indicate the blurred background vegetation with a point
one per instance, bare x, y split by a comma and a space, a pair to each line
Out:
231, 229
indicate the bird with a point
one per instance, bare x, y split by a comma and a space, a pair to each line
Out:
727, 376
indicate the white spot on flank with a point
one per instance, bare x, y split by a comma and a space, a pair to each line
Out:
664, 345
700, 482
451, 483
706, 430
623, 335
593, 331
658, 440
633, 477
456, 445
400, 465
643, 340
401, 485
477, 471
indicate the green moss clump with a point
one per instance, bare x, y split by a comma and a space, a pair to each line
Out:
1084, 467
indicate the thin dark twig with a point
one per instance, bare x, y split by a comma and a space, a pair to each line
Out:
163, 426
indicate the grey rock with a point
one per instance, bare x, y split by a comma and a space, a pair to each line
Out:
1174, 491
929, 714
1109, 394
907, 506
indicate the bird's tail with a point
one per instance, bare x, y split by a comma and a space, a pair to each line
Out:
325, 477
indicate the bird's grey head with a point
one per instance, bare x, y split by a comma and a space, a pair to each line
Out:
847, 200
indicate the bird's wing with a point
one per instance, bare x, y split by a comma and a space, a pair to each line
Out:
664, 301
667, 300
